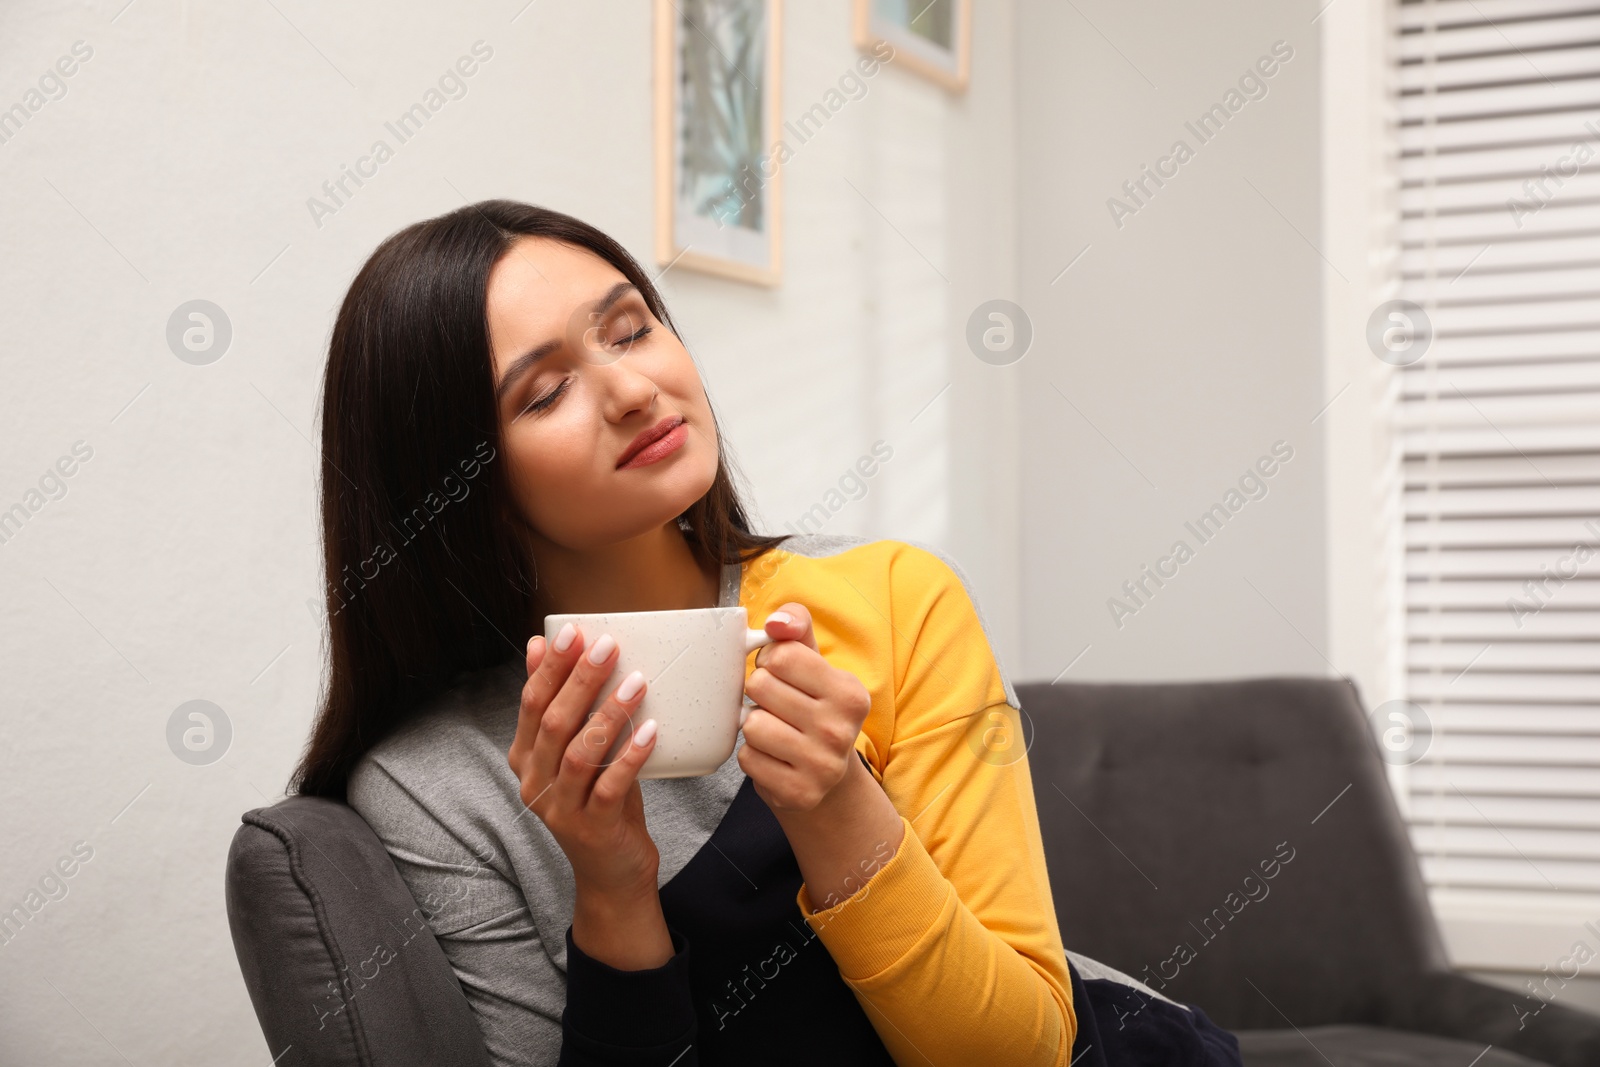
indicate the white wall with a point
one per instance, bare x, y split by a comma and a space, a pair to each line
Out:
1178, 347
178, 564
1361, 218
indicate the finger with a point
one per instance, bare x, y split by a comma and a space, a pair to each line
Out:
533, 699
544, 682
588, 754
774, 774
569, 709
615, 784
791, 622
795, 707
773, 736
802, 666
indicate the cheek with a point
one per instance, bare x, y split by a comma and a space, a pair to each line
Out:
674, 372
679, 380
552, 468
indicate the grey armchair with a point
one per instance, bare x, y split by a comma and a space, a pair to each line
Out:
1155, 803
341, 969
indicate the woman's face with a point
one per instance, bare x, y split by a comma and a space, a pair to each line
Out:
581, 368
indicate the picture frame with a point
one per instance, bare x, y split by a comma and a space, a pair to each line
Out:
931, 37
719, 187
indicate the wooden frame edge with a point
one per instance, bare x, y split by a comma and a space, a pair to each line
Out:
666, 176
955, 82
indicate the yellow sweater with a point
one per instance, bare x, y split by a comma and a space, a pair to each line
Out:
952, 946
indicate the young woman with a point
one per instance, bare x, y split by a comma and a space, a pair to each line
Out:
511, 428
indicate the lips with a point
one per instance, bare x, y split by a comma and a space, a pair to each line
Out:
649, 437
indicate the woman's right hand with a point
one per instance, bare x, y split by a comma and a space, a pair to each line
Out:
595, 811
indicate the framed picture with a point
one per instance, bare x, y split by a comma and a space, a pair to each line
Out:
932, 37
718, 174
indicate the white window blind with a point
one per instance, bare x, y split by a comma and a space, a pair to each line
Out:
1499, 423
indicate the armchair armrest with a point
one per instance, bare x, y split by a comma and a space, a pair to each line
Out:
1454, 1005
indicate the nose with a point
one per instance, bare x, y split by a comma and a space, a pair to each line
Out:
626, 390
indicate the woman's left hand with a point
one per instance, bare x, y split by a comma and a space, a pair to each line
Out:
800, 743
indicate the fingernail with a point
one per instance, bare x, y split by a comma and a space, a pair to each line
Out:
563, 639
531, 640
630, 686
602, 648
780, 616
642, 736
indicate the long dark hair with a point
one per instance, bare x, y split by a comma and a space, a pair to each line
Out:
425, 574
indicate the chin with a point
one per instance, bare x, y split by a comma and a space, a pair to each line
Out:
677, 491
700, 486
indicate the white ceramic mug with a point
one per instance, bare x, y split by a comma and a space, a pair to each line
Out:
693, 664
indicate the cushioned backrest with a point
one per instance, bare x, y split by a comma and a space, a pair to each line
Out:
1159, 805
337, 956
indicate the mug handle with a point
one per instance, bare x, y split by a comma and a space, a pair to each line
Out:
754, 639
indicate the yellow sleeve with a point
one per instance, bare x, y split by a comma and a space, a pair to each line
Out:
952, 946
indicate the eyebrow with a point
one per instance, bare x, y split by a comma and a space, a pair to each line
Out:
523, 363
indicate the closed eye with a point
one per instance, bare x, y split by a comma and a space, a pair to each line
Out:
549, 398
637, 335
